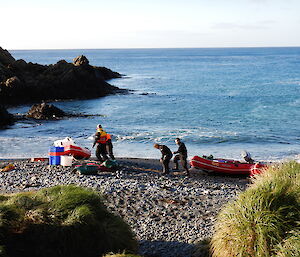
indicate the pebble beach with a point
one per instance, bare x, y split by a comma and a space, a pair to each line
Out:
168, 213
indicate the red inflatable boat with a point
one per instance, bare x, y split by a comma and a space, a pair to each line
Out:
226, 166
77, 151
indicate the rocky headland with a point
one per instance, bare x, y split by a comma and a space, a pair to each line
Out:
22, 82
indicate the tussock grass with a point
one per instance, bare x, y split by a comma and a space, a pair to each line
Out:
290, 245
264, 220
61, 221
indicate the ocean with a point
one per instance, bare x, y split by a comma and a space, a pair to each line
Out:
219, 101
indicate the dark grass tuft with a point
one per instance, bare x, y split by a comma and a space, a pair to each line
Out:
61, 221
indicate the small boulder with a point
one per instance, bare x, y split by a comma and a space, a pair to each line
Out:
45, 111
80, 60
13, 82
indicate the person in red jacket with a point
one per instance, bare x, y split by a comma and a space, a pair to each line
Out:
100, 140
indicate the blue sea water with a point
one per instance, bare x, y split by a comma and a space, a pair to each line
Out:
220, 101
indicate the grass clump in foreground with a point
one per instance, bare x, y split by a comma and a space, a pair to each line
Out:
61, 221
265, 219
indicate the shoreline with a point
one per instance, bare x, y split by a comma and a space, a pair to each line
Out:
168, 214
149, 160
39, 147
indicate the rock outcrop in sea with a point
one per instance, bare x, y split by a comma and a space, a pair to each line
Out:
22, 82
45, 111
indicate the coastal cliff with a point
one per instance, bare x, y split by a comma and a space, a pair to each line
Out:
22, 82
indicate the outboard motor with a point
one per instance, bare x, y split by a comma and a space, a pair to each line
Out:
247, 156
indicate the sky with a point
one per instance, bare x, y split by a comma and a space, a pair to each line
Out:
92, 24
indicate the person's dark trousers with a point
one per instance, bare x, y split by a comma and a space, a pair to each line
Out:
109, 148
101, 153
183, 161
165, 163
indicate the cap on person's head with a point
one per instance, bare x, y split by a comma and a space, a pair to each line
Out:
156, 146
99, 126
177, 139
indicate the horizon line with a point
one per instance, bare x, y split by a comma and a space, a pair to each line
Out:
144, 48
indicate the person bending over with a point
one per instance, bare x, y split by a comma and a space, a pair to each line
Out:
181, 154
100, 140
165, 158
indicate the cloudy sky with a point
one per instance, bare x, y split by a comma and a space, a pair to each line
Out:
70, 24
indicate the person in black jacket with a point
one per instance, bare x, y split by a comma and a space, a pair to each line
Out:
165, 158
181, 154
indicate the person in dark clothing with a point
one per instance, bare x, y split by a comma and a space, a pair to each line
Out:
101, 152
100, 140
181, 154
165, 158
